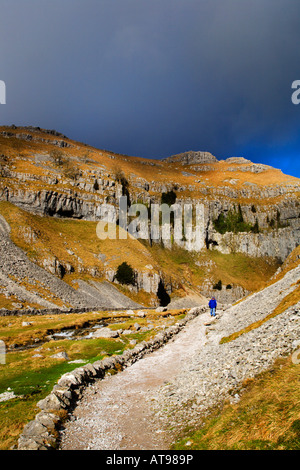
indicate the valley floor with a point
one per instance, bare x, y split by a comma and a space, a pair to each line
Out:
149, 403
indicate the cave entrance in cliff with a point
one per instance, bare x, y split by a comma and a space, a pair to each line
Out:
162, 294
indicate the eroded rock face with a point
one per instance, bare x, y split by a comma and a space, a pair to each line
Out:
278, 227
151, 282
227, 295
191, 157
274, 240
276, 244
52, 203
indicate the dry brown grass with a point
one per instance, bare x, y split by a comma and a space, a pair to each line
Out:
42, 237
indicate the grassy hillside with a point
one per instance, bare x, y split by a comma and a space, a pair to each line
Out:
69, 240
74, 244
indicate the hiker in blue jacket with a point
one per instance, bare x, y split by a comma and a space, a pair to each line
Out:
212, 305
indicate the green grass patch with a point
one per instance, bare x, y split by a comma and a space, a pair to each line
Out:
33, 378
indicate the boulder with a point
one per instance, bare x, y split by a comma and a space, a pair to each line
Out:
61, 355
105, 333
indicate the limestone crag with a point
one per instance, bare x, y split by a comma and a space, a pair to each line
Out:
87, 195
191, 157
54, 203
37, 138
156, 283
278, 244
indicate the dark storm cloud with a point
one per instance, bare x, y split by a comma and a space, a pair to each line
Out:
153, 78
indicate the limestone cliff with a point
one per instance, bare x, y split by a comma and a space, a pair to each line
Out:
249, 208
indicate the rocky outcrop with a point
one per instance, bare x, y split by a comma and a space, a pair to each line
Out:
270, 241
149, 281
240, 160
277, 227
28, 137
191, 157
228, 294
54, 203
276, 244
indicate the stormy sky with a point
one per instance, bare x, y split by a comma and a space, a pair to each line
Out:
153, 78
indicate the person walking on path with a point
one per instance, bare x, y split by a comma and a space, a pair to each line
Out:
212, 305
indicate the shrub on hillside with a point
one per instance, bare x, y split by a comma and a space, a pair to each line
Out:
255, 228
232, 222
58, 158
121, 178
71, 172
168, 198
218, 285
125, 274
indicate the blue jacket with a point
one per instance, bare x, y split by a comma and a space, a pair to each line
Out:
212, 303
